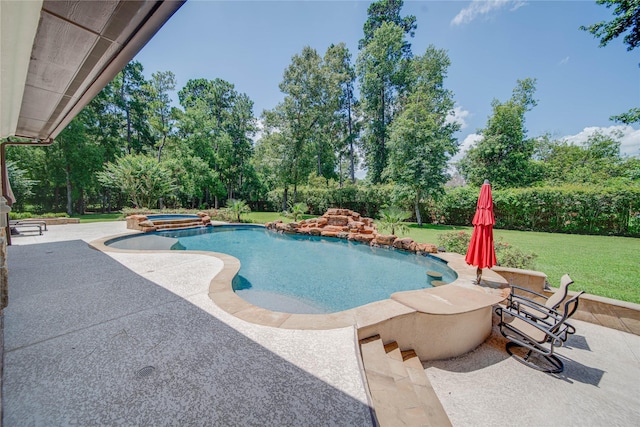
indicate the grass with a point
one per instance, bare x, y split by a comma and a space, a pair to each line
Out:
263, 217
601, 265
99, 217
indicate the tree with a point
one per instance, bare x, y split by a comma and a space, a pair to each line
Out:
503, 155
627, 21
283, 158
381, 68
80, 158
161, 119
596, 161
21, 185
388, 11
241, 128
421, 140
129, 85
140, 178
295, 131
217, 124
342, 75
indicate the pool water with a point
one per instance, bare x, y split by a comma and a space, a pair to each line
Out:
306, 274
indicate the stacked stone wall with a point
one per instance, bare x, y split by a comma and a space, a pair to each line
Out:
350, 225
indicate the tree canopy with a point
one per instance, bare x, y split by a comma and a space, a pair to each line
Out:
385, 111
627, 22
503, 154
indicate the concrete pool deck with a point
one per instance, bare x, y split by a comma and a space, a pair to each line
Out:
83, 327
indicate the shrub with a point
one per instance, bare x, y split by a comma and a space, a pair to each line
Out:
511, 256
223, 214
362, 198
296, 211
566, 209
455, 241
238, 208
507, 255
27, 215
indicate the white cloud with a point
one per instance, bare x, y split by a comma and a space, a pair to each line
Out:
517, 5
628, 136
483, 7
467, 143
564, 61
458, 116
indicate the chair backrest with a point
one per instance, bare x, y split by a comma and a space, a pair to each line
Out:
556, 299
570, 307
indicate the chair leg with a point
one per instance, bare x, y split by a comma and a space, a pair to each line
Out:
558, 365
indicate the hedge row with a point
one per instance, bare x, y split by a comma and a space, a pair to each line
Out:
569, 209
367, 200
577, 210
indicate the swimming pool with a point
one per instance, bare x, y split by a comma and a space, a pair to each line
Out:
301, 274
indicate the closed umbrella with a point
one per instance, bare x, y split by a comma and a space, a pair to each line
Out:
481, 252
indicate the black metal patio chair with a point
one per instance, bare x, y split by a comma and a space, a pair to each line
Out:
531, 299
532, 335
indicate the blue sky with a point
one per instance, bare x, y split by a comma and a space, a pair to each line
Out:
491, 44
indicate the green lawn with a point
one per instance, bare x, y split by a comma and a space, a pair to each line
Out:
600, 265
99, 217
263, 217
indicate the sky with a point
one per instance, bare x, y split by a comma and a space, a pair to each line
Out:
491, 44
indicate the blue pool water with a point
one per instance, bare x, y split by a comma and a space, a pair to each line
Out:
302, 274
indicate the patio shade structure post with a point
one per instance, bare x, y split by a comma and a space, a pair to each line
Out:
481, 252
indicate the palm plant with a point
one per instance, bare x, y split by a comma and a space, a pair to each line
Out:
297, 210
393, 218
238, 207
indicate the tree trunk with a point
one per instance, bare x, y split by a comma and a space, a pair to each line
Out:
69, 189
164, 140
80, 203
129, 128
340, 169
417, 207
352, 170
382, 132
284, 199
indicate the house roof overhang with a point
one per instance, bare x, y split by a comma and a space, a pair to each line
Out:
55, 56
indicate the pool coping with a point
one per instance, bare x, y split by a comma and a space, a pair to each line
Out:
466, 295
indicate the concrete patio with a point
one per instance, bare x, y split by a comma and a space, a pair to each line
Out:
134, 339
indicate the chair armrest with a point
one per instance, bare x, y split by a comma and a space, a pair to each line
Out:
536, 311
526, 290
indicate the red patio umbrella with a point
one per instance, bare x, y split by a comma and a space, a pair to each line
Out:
481, 252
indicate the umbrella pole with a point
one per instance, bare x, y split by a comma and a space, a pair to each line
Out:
478, 275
